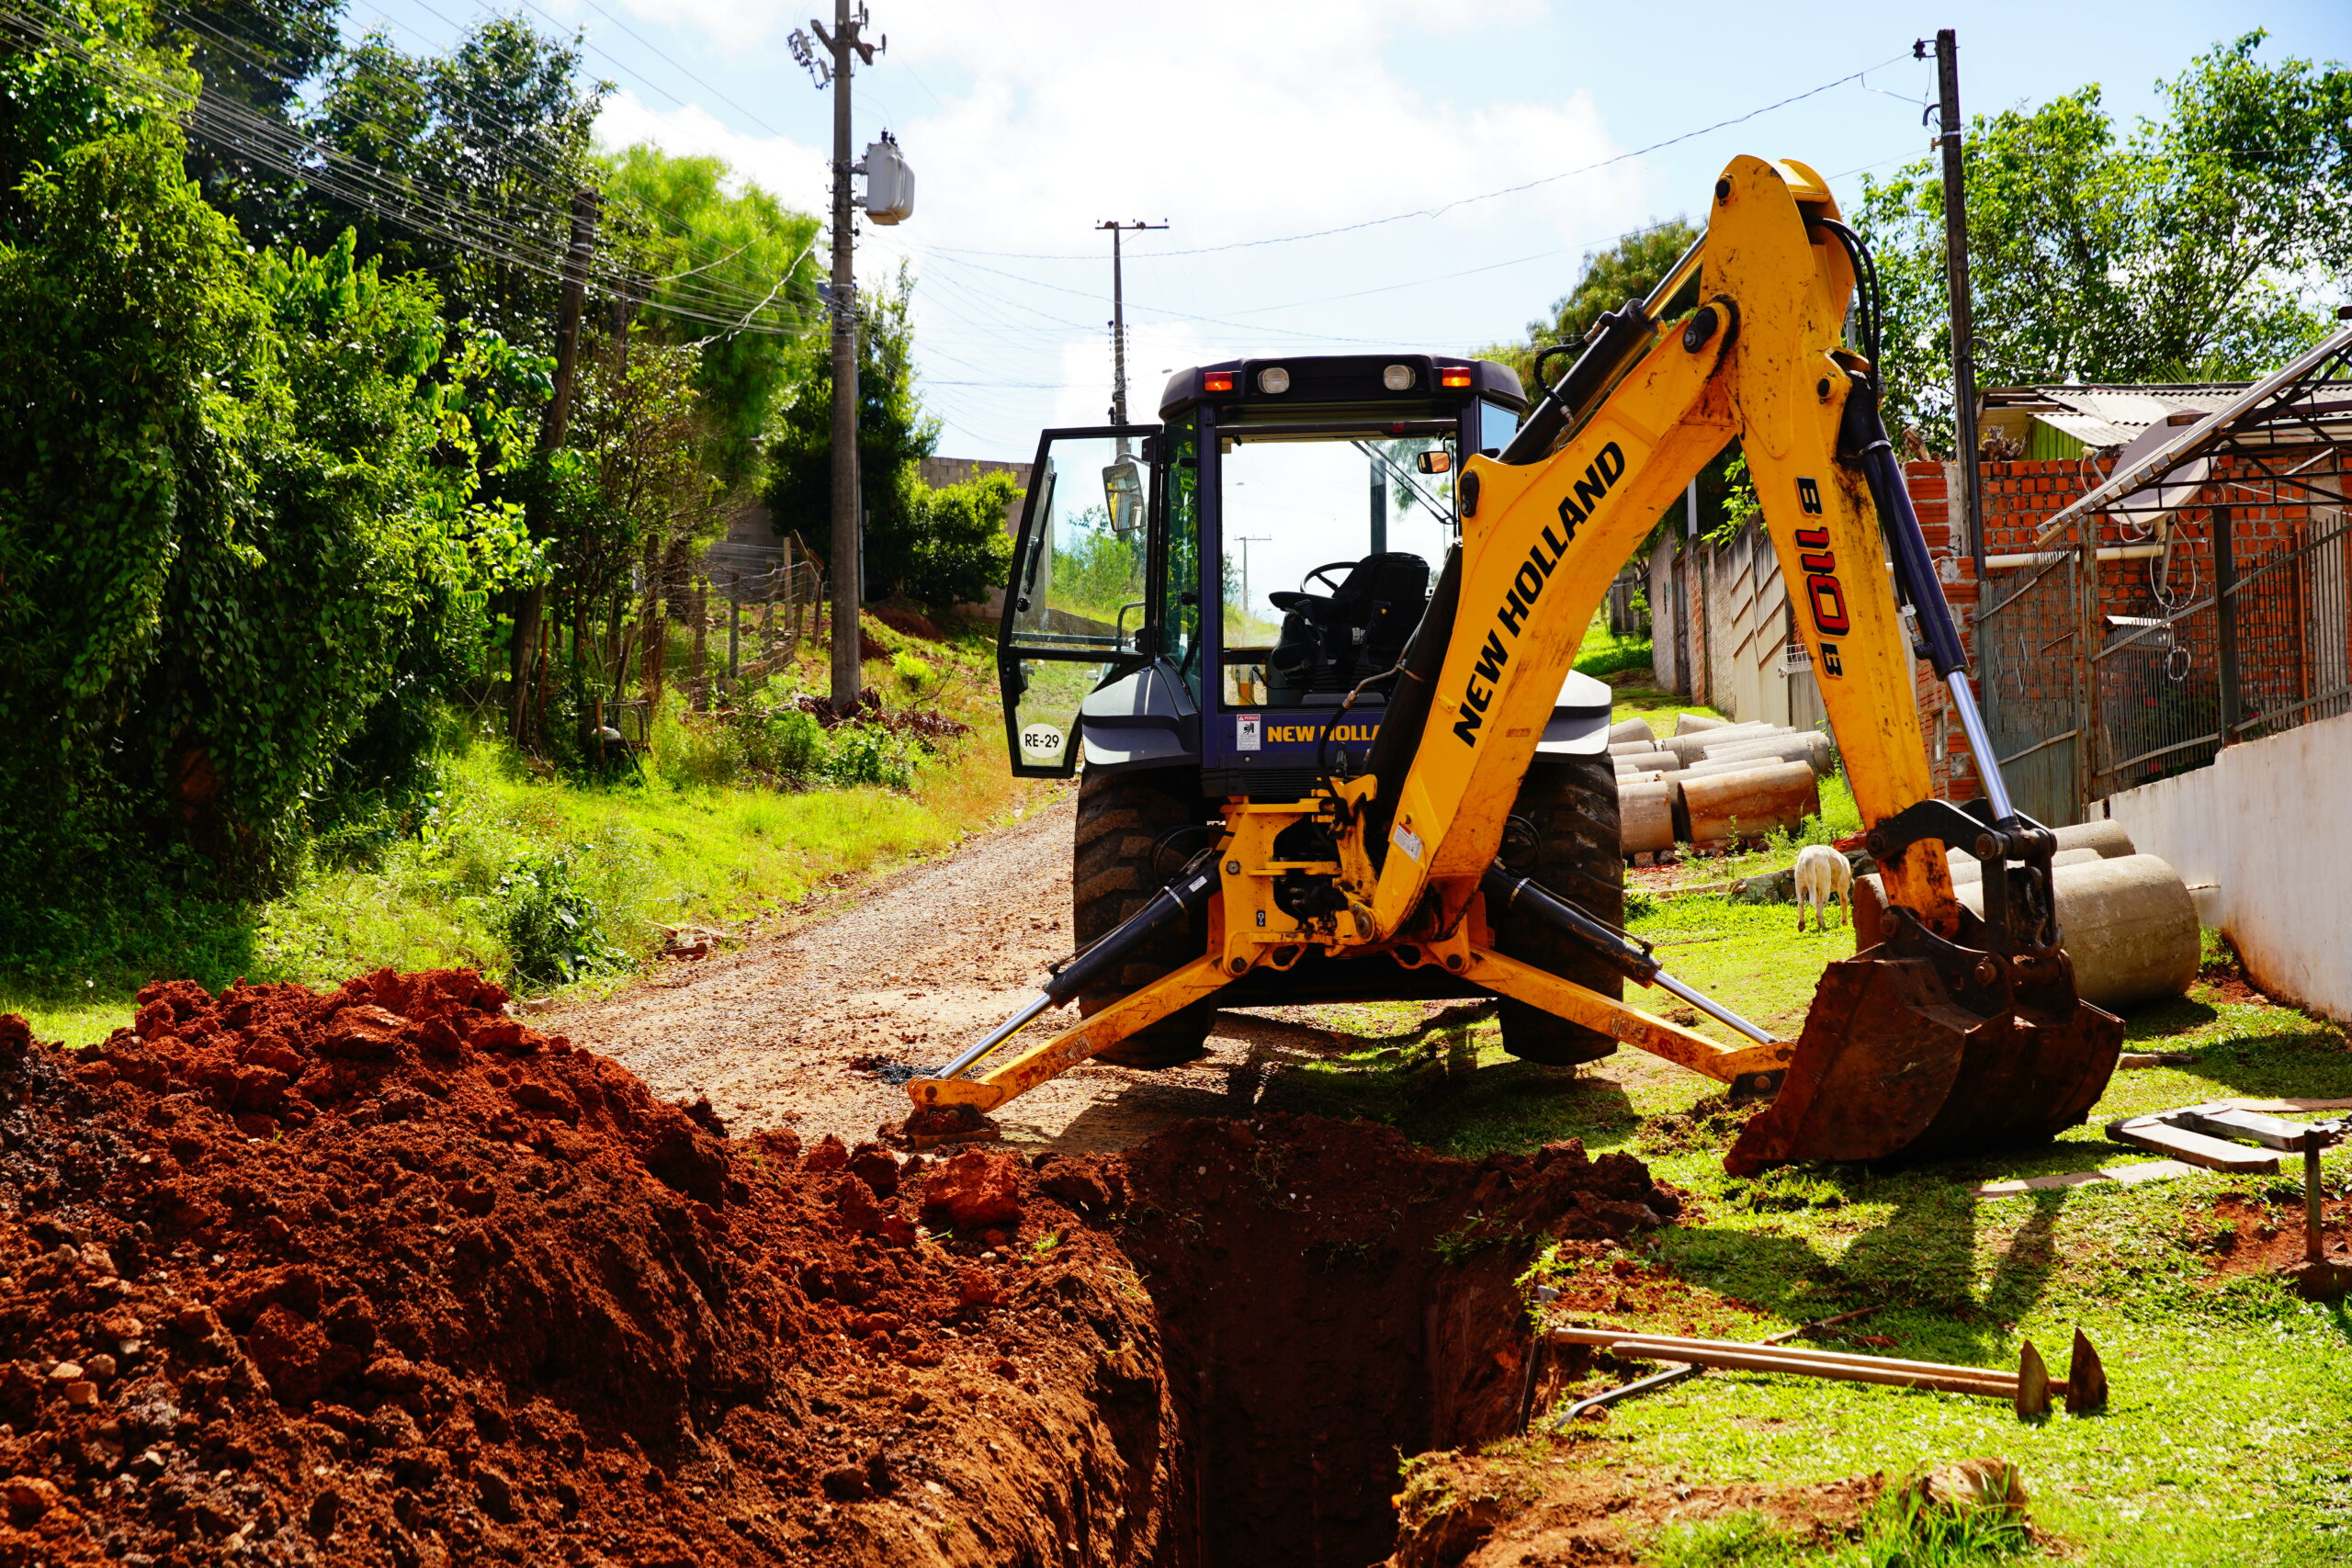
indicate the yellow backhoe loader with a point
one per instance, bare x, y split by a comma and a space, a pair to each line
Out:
1388, 788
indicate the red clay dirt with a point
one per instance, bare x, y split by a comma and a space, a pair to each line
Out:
383, 1275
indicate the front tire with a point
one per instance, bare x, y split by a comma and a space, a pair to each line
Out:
1129, 846
1571, 802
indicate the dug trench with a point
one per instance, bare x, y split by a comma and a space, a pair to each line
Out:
383, 1275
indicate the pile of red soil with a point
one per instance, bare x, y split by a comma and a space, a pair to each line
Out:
384, 1276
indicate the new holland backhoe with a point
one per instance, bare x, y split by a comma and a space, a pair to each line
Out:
1388, 781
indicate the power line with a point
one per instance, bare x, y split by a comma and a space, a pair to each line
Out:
1440, 211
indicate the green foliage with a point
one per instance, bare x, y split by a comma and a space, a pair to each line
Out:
957, 550
500, 130
709, 243
224, 537
1097, 573
1895, 1533
893, 437
1627, 269
915, 672
553, 930
2186, 249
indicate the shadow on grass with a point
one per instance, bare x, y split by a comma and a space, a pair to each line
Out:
1918, 1265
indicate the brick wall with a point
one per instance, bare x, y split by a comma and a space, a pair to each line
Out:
2021, 497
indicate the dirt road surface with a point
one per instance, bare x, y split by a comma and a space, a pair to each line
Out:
911, 968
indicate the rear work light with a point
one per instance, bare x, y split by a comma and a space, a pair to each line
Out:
1216, 380
1397, 377
1454, 375
1273, 381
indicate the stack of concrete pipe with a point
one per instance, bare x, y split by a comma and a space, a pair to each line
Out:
2127, 920
1713, 780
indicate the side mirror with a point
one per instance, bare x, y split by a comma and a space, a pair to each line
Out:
1437, 462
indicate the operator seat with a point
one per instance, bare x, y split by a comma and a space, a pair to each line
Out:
1331, 641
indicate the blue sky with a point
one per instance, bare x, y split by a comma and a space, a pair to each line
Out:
1027, 122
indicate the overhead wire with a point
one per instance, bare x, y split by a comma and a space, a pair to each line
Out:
1441, 210
278, 147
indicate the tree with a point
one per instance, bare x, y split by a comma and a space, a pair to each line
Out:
1627, 269
734, 274
255, 56
960, 549
493, 140
893, 437
2185, 250
223, 531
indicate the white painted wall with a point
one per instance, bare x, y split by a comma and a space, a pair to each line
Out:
2265, 826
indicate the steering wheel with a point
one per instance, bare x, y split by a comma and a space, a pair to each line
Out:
1324, 571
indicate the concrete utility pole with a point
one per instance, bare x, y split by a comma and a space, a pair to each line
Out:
1119, 322
1963, 331
849, 567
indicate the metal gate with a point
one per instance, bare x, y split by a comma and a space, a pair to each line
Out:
2030, 652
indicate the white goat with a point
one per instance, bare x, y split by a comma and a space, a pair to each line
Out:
1824, 878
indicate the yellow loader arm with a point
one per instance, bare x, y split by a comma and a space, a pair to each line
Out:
1954, 1033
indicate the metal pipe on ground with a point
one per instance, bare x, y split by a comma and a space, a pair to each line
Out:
2128, 925
1751, 802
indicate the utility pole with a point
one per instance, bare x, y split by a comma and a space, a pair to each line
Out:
849, 567
1245, 541
530, 608
1963, 331
1119, 322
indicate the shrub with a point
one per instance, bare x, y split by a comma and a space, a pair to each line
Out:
553, 930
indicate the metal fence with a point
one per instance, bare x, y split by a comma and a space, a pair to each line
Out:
2097, 681
2029, 638
769, 612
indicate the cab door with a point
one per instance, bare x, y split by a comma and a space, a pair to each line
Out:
1077, 603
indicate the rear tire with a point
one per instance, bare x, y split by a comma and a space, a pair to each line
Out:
1123, 820
1571, 802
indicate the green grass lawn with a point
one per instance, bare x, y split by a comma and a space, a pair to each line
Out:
2228, 1439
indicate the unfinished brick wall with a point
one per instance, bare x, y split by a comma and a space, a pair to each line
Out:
2281, 664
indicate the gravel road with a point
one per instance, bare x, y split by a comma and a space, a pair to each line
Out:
911, 967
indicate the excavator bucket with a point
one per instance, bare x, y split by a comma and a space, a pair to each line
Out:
1919, 1047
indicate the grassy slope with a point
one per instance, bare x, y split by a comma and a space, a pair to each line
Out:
2227, 1440
655, 854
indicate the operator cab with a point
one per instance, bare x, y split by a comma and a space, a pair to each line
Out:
1208, 592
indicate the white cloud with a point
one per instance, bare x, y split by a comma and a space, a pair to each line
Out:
788, 169
1234, 122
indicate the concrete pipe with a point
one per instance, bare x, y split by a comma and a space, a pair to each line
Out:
2108, 838
2130, 926
1652, 776
1808, 746
1620, 747
1751, 802
1967, 868
1692, 723
1645, 761
1630, 729
1644, 815
1691, 748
